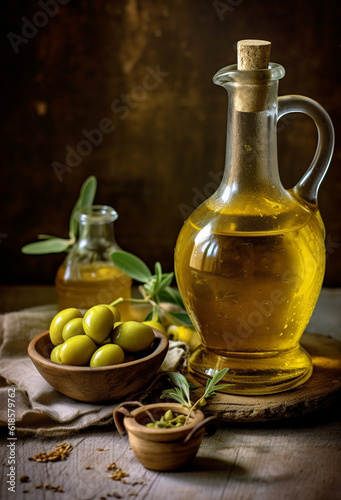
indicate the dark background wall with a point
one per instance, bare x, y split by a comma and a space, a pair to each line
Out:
87, 61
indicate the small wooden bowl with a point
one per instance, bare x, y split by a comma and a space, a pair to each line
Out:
103, 384
161, 449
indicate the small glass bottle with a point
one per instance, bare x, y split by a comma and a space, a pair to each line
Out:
87, 276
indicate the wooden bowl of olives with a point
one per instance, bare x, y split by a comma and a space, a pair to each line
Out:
90, 367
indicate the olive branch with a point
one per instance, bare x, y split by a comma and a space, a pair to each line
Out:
154, 288
181, 390
53, 244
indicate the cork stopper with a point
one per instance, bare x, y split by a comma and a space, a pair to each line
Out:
253, 54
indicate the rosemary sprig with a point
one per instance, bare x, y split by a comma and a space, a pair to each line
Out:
181, 390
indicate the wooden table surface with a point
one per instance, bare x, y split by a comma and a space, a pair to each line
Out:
289, 459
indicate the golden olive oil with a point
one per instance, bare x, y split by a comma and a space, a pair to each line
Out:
92, 284
250, 297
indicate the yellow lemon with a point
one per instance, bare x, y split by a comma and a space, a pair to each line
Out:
172, 332
188, 335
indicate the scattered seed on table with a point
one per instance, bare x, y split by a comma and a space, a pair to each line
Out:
61, 452
102, 449
24, 478
118, 475
111, 466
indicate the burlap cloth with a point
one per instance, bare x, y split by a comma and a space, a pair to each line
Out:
40, 409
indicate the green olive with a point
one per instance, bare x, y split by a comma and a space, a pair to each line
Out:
98, 322
54, 354
168, 421
59, 321
72, 328
109, 354
77, 350
168, 415
133, 336
116, 313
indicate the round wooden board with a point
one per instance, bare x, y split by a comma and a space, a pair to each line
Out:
319, 392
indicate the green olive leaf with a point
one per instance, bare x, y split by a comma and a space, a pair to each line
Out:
88, 191
52, 245
158, 272
156, 313
166, 280
179, 380
212, 384
170, 393
86, 197
45, 237
73, 224
181, 389
131, 265
179, 318
150, 285
171, 295
218, 388
153, 315
149, 316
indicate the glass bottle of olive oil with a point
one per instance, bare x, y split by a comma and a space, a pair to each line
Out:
250, 260
88, 276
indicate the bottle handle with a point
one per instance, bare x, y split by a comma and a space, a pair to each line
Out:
307, 188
